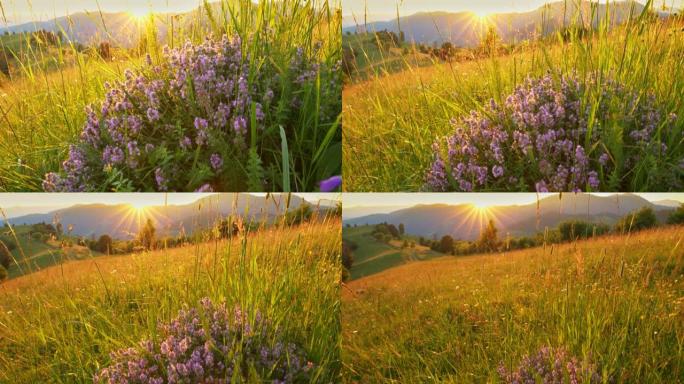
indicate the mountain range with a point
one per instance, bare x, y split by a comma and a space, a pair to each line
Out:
465, 29
120, 28
123, 221
464, 221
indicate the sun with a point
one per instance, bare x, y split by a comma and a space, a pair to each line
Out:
138, 207
481, 16
140, 15
482, 207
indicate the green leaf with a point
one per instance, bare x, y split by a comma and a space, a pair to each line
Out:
286, 160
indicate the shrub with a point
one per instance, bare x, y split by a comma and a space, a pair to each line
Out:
146, 237
104, 244
210, 344
576, 229
636, 221
206, 118
552, 137
676, 217
3, 273
488, 240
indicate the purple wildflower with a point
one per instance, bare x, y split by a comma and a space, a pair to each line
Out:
541, 128
153, 114
160, 179
550, 365
225, 346
205, 188
216, 161
330, 184
206, 86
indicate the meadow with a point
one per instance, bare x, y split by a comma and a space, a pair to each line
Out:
72, 120
406, 130
612, 305
36, 251
61, 324
373, 256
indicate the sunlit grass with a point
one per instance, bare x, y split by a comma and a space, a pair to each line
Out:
59, 324
43, 100
615, 299
392, 119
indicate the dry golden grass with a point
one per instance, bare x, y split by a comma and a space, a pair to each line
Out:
618, 299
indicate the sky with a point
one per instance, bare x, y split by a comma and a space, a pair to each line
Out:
400, 200
19, 11
19, 204
386, 9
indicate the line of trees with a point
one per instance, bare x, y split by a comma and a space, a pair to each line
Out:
572, 230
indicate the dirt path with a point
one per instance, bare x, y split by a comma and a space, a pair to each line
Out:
379, 255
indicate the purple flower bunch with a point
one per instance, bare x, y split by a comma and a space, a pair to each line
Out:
550, 366
182, 125
209, 344
546, 136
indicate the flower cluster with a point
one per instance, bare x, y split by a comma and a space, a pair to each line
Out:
550, 365
209, 344
545, 137
184, 124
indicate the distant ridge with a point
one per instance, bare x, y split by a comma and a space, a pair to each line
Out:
460, 221
120, 221
464, 29
93, 27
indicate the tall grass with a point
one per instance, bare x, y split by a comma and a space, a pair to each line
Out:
60, 324
615, 300
43, 100
391, 121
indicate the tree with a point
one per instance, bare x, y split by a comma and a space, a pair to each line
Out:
490, 42
446, 244
3, 273
104, 244
147, 235
393, 231
105, 50
299, 215
348, 248
488, 241
401, 229
576, 229
636, 221
677, 217
6, 248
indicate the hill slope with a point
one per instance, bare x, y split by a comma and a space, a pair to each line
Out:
372, 256
616, 301
72, 317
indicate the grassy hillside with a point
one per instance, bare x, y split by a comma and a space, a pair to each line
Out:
34, 254
367, 57
616, 301
392, 121
372, 256
60, 324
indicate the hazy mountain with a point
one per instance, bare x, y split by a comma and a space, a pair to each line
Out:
668, 203
23, 211
122, 221
354, 212
464, 221
465, 29
119, 28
